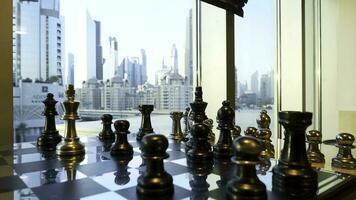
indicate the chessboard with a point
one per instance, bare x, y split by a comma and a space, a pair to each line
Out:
41, 175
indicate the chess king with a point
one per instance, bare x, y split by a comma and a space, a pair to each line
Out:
71, 146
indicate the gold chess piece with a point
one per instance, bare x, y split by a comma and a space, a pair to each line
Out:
71, 145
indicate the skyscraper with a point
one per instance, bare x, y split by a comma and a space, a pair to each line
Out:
174, 59
144, 66
38, 41
254, 82
70, 69
85, 56
99, 51
111, 65
188, 65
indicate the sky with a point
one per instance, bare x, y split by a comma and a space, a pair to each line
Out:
153, 25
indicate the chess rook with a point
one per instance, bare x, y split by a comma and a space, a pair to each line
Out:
121, 147
50, 137
313, 151
177, 133
246, 184
146, 126
225, 117
106, 133
344, 158
293, 177
155, 182
71, 146
197, 113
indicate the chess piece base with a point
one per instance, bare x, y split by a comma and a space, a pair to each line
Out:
48, 141
344, 163
316, 157
150, 186
240, 190
294, 181
70, 147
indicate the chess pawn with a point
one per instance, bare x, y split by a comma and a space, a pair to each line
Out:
264, 121
236, 132
106, 145
121, 147
71, 146
263, 166
177, 133
201, 149
155, 182
313, 151
293, 176
50, 137
246, 185
211, 135
106, 133
344, 158
251, 131
146, 126
267, 147
225, 117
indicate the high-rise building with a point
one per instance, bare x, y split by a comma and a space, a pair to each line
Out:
38, 40
174, 59
70, 69
188, 60
134, 71
111, 65
85, 56
254, 82
99, 51
266, 88
89, 94
161, 72
144, 66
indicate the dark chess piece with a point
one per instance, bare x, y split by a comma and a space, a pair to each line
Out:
294, 177
50, 175
264, 135
197, 113
344, 158
106, 133
50, 137
198, 183
122, 176
121, 147
155, 182
251, 131
211, 134
186, 122
177, 133
70, 164
226, 170
264, 121
236, 132
71, 146
146, 126
313, 151
201, 149
106, 145
225, 118
263, 166
246, 185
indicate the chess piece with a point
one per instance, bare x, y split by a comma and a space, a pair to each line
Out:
226, 170
344, 158
106, 133
293, 176
122, 176
201, 149
251, 131
211, 135
71, 146
197, 113
198, 183
225, 118
263, 166
264, 121
155, 182
246, 185
50, 137
186, 122
236, 132
146, 126
264, 135
50, 175
121, 147
70, 164
313, 151
177, 133
106, 145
